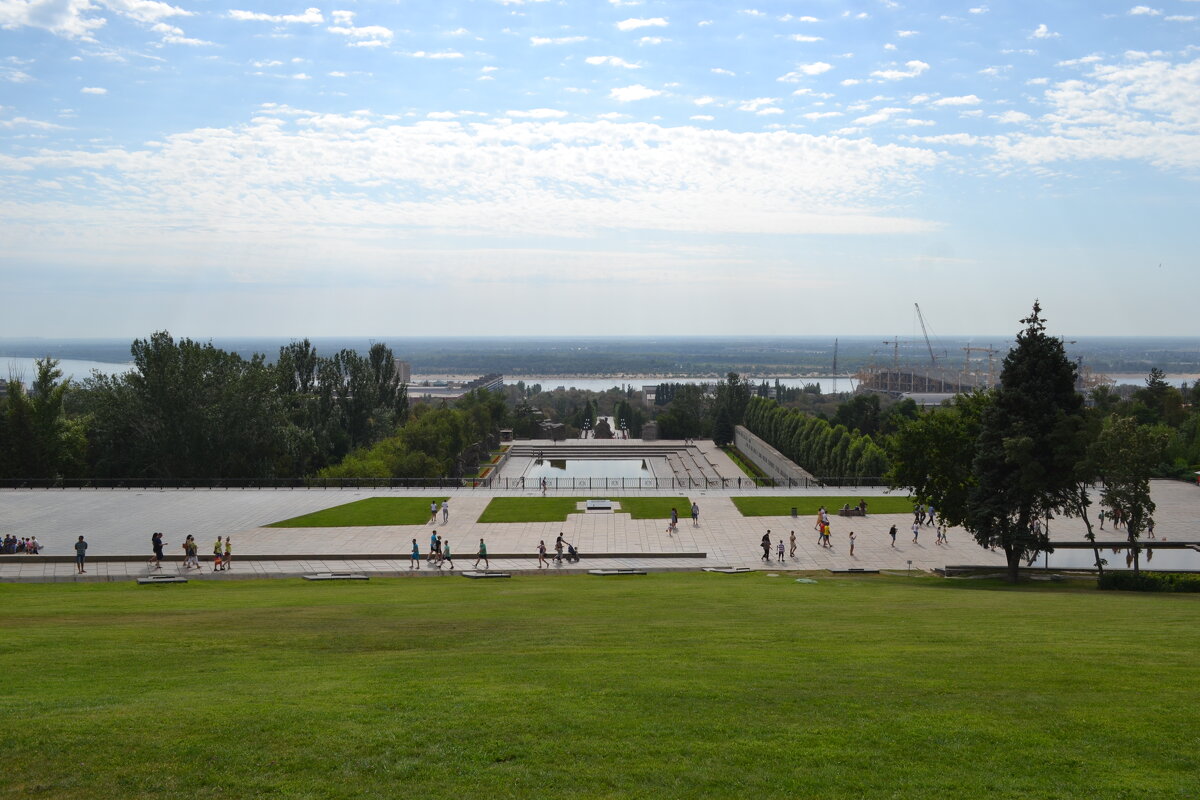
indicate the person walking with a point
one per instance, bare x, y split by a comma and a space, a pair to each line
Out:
852, 544
227, 563
541, 549
766, 546
792, 554
446, 554
779, 551
80, 551
930, 516
218, 551
433, 546
446, 511
559, 543
916, 531
695, 514
156, 544
191, 553
415, 556
433, 512
892, 533
482, 554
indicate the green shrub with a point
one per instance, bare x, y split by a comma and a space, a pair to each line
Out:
1150, 582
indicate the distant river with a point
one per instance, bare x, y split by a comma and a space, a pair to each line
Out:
25, 370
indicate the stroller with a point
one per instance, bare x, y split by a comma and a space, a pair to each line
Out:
572, 553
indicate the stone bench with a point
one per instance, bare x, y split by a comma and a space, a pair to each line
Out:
851, 512
336, 576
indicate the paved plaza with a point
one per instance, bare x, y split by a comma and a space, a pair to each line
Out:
119, 523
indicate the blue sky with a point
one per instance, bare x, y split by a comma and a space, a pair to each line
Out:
597, 168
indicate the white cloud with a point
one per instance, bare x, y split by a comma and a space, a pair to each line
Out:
612, 115
822, 114
538, 41
633, 24
1147, 110
627, 94
703, 101
960, 100
757, 103
611, 61
435, 56
799, 37
889, 46
1042, 32
1012, 117
537, 113
704, 23
93, 90
919, 123
912, 69
720, 71
702, 117
882, 115
752, 12
790, 18
978, 10
770, 110
1037, 81
345, 28
851, 82
334, 190
443, 115
311, 16
302, 76
1180, 18
652, 40
80, 19
906, 34
804, 71
1144, 11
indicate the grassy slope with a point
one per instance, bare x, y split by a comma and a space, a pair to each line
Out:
364, 513
775, 506
664, 686
655, 507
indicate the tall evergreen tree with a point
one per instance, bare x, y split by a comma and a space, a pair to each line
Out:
1028, 448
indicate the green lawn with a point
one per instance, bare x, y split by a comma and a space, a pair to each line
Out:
365, 513
655, 507
682, 685
775, 506
530, 509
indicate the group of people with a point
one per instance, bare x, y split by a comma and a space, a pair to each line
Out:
440, 553
12, 544
673, 525
222, 552
433, 512
559, 545
822, 528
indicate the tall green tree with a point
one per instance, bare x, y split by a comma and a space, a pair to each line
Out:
37, 439
1125, 455
1029, 447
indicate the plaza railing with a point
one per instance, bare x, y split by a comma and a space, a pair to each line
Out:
492, 483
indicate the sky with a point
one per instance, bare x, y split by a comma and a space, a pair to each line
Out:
608, 167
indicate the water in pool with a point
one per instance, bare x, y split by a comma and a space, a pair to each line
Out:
551, 468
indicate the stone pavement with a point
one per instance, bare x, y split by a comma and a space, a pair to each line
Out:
119, 523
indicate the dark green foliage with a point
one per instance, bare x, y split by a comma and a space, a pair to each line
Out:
932, 455
1149, 581
1029, 448
37, 439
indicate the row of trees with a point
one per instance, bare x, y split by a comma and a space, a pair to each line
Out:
191, 410
824, 449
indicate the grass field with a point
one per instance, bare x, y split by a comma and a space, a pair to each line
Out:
530, 509
685, 685
776, 506
366, 513
655, 507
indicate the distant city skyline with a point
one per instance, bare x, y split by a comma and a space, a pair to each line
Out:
636, 167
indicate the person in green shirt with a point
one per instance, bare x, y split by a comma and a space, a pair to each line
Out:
482, 555
446, 552
226, 562
81, 551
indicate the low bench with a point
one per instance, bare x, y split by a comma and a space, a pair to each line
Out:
471, 573
728, 570
607, 572
151, 579
851, 512
598, 505
336, 576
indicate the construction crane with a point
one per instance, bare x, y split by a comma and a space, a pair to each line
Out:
835, 349
895, 343
921, 317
